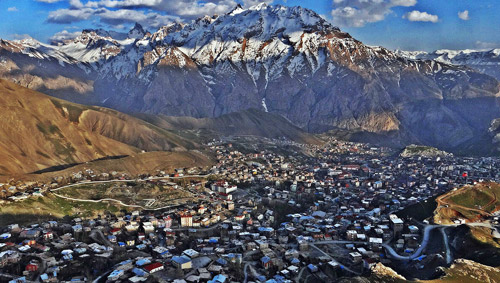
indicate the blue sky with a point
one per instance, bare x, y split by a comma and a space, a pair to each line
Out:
396, 24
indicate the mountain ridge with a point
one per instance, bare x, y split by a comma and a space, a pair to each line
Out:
291, 62
39, 131
486, 61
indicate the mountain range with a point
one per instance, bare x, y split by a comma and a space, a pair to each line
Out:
484, 61
287, 61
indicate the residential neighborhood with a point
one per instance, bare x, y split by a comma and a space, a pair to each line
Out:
256, 216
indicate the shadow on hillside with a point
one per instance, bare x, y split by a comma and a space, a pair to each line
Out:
66, 166
24, 219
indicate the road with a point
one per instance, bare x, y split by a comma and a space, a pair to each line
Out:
6, 275
313, 245
197, 229
130, 180
300, 274
449, 258
119, 201
245, 271
423, 245
425, 240
441, 201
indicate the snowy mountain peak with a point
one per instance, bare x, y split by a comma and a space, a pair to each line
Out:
485, 61
261, 22
238, 9
163, 31
258, 7
29, 42
137, 32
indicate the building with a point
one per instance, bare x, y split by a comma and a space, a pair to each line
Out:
266, 262
154, 267
186, 220
397, 225
182, 262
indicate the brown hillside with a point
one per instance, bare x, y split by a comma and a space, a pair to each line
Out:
242, 123
38, 132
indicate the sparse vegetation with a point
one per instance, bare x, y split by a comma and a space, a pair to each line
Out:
420, 150
130, 193
470, 203
50, 207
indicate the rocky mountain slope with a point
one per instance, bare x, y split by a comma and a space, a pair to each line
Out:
284, 60
38, 132
247, 122
462, 270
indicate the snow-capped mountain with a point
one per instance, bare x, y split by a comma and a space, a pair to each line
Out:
137, 32
292, 62
98, 46
35, 49
485, 61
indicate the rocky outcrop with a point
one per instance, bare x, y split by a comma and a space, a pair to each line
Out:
381, 270
424, 151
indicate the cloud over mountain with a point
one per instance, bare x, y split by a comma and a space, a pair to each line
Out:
357, 13
417, 16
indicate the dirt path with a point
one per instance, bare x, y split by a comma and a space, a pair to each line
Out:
443, 203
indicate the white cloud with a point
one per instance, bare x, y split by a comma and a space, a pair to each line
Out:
64, 35
487, 45
118, 12
112, 17
67, 16
358, 13
183, 8
417, 16
12, 9
48, 1
16, 36
249, 3
464, 15
121, 16
77, 4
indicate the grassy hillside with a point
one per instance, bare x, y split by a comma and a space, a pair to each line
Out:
51, 207
249, 122
470, 203
38, 132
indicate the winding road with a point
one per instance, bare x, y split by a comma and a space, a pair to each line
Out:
119, 201
449, 258
423, 245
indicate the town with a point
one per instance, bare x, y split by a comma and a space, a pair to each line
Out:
258, 215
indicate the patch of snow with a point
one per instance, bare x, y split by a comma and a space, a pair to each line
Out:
264, 105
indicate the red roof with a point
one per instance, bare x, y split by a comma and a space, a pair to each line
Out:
153, 266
